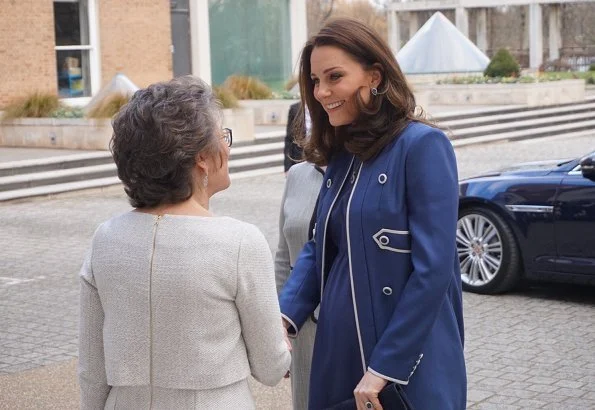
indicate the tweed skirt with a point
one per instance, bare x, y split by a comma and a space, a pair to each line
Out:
233, 396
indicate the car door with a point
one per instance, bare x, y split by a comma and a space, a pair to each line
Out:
574, 224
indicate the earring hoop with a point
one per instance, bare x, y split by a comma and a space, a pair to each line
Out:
375, 91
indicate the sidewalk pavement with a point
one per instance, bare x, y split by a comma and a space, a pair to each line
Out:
530, 349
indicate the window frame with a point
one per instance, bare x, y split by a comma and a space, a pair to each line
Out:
90, 7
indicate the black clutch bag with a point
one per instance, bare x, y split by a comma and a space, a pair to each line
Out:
392, 397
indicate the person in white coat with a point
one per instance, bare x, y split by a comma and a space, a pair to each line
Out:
177, 306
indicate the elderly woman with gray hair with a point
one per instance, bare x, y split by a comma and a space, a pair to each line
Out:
178, 306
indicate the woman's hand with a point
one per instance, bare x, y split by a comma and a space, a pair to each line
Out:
367, 391
285, 325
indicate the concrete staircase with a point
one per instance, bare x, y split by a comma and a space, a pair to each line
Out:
39, 177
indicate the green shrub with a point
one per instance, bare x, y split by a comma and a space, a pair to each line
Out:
226, 97
68, 112
592, 67
248, 88
503, 64
108, 106
35, 105
591, 79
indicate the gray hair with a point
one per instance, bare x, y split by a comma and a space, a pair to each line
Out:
158, 136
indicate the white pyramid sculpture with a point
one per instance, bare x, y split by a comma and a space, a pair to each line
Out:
118, 84
439, 47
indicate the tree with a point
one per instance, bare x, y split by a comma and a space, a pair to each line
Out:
371, 13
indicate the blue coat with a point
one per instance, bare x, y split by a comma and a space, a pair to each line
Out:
403, 266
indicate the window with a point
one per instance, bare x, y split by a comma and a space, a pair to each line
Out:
75, 52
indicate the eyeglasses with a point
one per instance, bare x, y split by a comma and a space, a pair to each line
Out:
227, 136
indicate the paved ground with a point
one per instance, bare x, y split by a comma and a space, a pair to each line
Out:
531, 349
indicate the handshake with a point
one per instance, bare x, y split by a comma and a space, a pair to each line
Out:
285, 325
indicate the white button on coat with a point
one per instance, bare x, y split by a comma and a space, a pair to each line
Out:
387, 291
328, 183
382, 178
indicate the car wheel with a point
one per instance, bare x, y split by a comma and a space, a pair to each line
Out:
488, 252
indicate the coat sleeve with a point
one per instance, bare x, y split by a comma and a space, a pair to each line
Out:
301, 294
91, 364
432, 201
282, 260
258, 308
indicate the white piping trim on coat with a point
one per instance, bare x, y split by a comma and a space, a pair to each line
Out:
392, 231
292, 335
377, 238
359, 336
325, 229
404, 383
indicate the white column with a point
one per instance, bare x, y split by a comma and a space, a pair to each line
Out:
555, 28
394, 32
298, 19
481, 29
94, 53
413, 23
535, 36
462, 20
200, 39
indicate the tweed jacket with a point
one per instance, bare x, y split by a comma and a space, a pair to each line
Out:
179, 302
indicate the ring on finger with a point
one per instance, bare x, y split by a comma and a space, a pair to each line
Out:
369, 405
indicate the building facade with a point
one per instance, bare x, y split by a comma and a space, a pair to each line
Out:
541, 20
73, 47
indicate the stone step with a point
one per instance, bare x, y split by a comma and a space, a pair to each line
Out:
572, 129
47, 190
511, 109
52, 163
36, 179
520, 115
485, 130
20, 179
249, 151
268, 143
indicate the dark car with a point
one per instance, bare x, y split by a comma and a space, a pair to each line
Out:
534, 221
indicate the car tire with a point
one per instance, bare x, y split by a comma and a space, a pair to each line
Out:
488, 252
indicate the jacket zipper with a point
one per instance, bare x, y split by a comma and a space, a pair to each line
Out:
151, 313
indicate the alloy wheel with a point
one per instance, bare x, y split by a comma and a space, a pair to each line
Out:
480, 249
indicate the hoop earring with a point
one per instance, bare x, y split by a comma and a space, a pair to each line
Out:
375, 91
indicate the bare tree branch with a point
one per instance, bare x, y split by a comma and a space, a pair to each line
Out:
328, 12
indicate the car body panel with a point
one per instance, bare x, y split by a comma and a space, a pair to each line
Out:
550, 207
574, 223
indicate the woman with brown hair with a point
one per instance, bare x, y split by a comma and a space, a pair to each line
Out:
382, 264
178, 306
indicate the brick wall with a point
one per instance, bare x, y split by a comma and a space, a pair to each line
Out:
27, 56
135, 40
